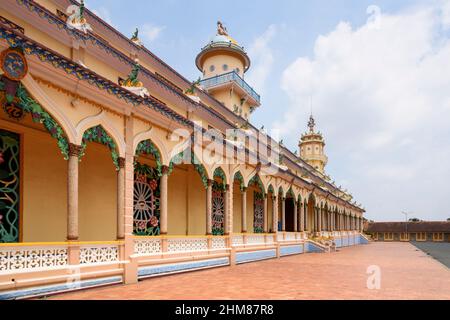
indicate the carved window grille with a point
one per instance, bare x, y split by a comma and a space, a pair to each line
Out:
9, 186
146, 202
218, 209
258, 220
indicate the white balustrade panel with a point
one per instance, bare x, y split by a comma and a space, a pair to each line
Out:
269, 239
187, 244
147, 246
219, 243
237, 240
289, 236
99, 254
255, 239
280, 237
31, 258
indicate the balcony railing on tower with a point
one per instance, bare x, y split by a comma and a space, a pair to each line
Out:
230, 77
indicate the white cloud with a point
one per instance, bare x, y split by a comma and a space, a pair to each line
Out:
104, 14
151, 32
381, 97
262, 58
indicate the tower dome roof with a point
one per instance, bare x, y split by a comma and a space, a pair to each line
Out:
222, 42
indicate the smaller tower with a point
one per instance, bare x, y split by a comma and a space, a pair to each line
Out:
223, 63
312, 147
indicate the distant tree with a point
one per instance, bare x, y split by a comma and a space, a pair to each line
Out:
448, 219
414, 220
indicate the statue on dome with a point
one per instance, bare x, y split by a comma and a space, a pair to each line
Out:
311, 124
76, 19
135, 38
221, 29
133, 84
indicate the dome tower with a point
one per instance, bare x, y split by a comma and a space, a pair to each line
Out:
223, 63
312, 147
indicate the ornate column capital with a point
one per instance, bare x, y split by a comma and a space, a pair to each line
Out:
121, 161
227, 187
210, 182
75, 150
164, 170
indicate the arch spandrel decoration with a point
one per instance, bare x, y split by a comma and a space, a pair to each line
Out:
38, 115
238, 176
271, 189
256, 180
188, 157
290, 193
148, 147
99, 135
219, 173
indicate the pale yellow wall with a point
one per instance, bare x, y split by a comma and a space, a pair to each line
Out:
269, 212
177, 201
250, 208
218, 61
97, 195
197, 204
44, 188
237, 208
186, 202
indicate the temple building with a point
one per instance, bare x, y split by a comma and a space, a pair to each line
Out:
116, 168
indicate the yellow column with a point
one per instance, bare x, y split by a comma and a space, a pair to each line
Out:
230, 208
283, 214
266, 224
163, 199
319, 224
275, 214
209, 208
127, 250
226, 210
121, 200
72, 192
295, 216
244, 210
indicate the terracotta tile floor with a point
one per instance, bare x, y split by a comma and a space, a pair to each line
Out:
406, 273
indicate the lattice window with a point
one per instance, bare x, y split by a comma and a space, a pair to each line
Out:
91, 255
9, 186
146, 204
32, 258
147, 246
218, 209
258, 221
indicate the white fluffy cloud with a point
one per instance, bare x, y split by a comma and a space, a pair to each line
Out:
151, 32
262, 58
381, 96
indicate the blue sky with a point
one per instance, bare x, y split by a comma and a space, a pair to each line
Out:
378, 79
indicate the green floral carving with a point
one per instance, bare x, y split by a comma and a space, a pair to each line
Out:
218, 173
38, 114
147, 147
187, 156
99, 135
256, 180
238, 176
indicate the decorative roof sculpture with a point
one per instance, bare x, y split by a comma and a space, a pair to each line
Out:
133, 84
76, 19
135, 38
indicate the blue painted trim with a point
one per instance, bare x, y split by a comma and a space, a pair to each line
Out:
17, 294
291, 250
184, 266
243, 257
311, 247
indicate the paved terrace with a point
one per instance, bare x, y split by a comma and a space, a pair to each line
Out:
406, 273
